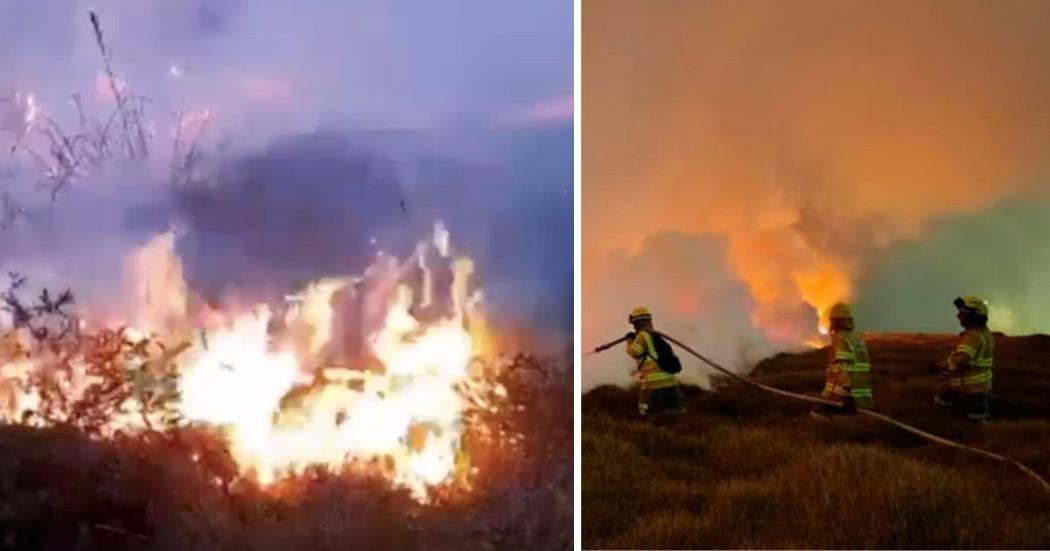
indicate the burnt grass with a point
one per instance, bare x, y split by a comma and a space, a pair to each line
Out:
61, 490
747, 469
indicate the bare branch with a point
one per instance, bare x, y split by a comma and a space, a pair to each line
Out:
63, 154
118, 96
183, 165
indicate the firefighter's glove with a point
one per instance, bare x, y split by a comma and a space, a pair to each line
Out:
629, 336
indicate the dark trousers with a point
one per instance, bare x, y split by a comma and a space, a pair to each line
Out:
973, 404
661, 400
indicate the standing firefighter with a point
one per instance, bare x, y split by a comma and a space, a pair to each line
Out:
848, 377
656, 366
966, 376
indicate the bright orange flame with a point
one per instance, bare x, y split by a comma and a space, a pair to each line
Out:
282, 407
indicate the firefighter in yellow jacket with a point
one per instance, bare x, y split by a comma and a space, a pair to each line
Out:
966, 376
659, 390
848, 377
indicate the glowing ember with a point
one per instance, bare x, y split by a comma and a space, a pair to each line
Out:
290, 398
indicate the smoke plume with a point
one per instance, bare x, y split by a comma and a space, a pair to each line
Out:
291, 141
809, 140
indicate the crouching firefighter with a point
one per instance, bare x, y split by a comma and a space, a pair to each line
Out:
847, 380
656, 368
966, 376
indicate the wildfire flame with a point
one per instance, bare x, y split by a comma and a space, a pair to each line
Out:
818, 341
276, 395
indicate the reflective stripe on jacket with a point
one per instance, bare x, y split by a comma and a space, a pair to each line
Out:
849, 369
649, 373
979, 345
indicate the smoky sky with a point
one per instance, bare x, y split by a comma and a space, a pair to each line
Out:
326, 203
812, 138
998, 254
380, 62
335, 131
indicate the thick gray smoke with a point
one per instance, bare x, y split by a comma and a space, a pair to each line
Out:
322, 132
999, 255
326, 203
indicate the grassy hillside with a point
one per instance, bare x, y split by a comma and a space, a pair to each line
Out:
747, 469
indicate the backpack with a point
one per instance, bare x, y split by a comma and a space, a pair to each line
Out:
665, 356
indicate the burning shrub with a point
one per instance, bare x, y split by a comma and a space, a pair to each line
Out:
99, 383
182, 489
419, 401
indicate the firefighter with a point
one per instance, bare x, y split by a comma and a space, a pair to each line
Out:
966, 376
848, 376
659, 391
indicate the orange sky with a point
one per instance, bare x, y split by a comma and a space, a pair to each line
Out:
805, 133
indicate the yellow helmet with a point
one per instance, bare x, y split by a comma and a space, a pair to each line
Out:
639, 314
973, 304
840, 310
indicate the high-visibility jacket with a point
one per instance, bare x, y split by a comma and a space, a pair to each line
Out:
979, 345
650, 375
849, 370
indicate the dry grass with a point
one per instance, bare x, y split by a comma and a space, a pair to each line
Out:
744, 469
61, 490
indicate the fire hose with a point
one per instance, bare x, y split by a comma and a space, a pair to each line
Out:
863, 411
